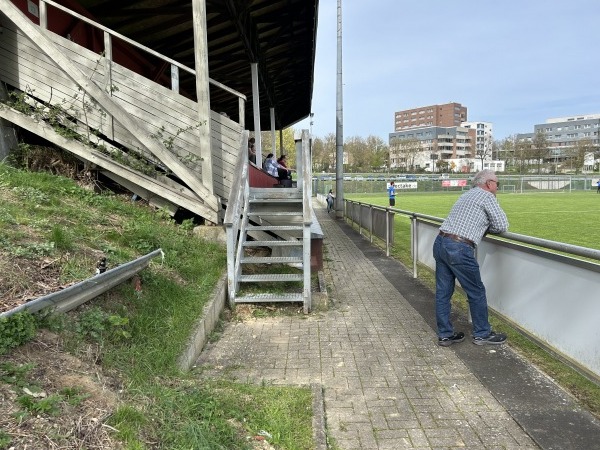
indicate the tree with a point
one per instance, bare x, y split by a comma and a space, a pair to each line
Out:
577, 153
359, 155
484, 153
539, 148
289, 144
506, 150
522, 154
442, 166
379, 152
323, 153
404, 151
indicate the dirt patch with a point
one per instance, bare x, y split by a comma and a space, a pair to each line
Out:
85, 399
24, 279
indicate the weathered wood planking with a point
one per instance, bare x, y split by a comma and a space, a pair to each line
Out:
171, 192
24, 66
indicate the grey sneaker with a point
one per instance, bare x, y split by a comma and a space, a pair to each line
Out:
454, 339
492, 339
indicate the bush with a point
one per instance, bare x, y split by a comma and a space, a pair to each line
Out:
16, 330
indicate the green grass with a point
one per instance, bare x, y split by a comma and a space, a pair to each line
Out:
562, 217
139, 336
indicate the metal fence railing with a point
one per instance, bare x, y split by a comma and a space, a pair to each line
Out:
547, 289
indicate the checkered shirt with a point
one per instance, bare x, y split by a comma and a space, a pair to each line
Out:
474, 214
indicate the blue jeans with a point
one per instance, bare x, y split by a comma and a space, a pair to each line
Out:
456, 261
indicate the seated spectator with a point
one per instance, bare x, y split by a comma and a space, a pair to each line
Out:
251, 151
271, 165
283, 171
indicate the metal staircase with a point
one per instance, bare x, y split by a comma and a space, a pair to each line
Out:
278, 222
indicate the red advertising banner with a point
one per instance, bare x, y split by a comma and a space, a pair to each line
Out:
453, 183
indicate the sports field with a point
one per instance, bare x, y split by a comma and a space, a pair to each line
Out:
573, 218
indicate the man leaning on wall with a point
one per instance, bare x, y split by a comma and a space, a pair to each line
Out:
474, 214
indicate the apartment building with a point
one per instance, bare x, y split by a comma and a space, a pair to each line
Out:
446, 115
423, 148
563, 133
484, 137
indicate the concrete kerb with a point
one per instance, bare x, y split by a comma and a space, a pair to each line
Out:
319, 426
205, 325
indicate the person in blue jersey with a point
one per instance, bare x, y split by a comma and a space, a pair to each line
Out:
392, 193
474, 214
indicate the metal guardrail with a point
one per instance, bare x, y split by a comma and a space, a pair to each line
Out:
537, 285
79, 293
562, 247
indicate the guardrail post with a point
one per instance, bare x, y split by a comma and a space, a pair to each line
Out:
413, 244
371, 223
387, 232
359, 205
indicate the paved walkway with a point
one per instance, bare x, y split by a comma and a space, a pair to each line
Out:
386, 383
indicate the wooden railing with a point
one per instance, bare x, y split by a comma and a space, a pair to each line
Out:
110, 34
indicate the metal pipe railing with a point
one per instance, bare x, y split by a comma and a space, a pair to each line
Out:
520, 238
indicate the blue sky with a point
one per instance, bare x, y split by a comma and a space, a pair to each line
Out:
514, 63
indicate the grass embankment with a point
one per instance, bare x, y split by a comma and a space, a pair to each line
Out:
563, 217
50, 223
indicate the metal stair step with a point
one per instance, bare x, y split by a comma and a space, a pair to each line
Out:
275, 193
271, 259
270, 298
275, 200
275, 213
273, 243
274, 228
271, 277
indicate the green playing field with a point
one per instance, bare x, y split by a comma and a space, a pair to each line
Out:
573, 218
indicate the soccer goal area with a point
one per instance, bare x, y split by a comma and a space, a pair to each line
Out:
552, 183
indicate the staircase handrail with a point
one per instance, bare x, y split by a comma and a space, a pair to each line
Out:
160, 56
306, 178
307, 219
235, 221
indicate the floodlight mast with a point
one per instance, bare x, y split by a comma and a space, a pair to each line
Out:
339, 131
